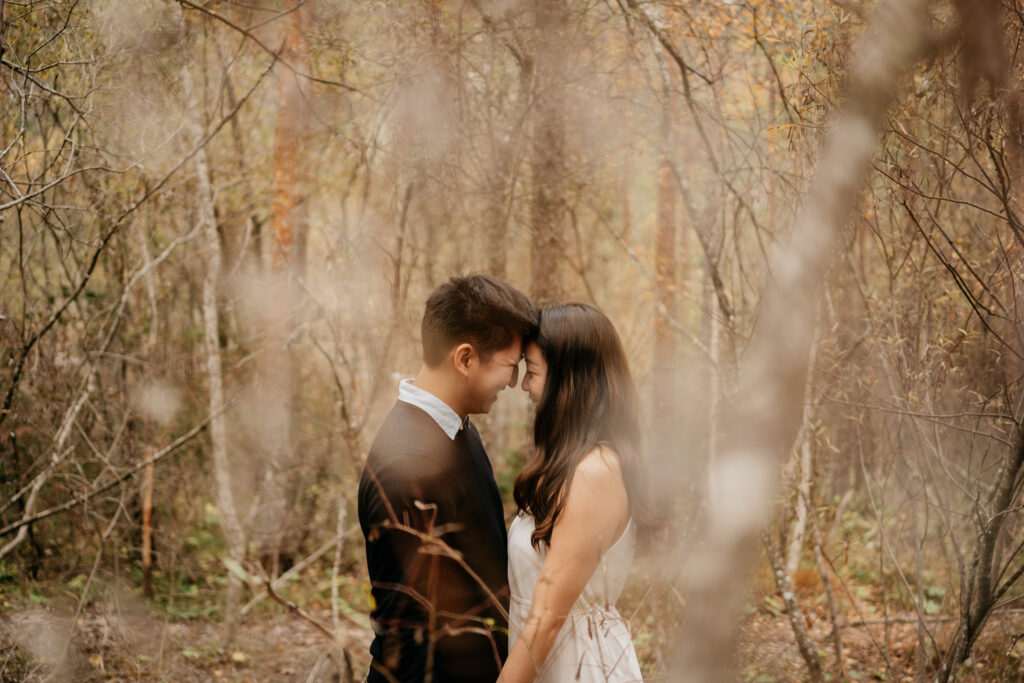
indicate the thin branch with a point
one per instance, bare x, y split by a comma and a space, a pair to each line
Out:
78, 499
263, 46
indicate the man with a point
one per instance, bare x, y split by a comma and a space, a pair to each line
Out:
429, 507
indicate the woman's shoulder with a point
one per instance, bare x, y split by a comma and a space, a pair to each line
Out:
597, 498
602, 461
601, 471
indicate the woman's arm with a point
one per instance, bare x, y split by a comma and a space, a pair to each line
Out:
595, 514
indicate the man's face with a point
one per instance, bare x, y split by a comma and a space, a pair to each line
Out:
486, 380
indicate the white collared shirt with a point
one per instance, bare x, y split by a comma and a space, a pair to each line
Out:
446, 418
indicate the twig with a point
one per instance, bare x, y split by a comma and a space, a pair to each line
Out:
297, 611
316, 555
79, 499
263, 46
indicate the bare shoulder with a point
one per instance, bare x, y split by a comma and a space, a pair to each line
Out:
601, 471
597, 507
601, 463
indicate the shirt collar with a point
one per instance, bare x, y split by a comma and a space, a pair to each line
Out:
446, 418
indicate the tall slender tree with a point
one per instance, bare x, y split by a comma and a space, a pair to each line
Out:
548, 155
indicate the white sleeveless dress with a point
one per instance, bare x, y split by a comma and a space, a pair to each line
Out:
594, 645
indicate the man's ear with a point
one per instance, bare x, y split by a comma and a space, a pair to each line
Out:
463, 357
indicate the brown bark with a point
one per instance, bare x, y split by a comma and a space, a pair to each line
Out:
241, 235
548, 165
288, 216
3, 25
625, 182
496, 216
982, 586
665, 278
288, 225
1012, 327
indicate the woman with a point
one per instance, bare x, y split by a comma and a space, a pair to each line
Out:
581, 498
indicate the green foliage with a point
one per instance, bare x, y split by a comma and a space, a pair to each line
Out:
513, 459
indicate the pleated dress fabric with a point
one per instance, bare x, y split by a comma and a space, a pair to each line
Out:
594, 644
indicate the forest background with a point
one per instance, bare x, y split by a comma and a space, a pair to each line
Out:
219, 221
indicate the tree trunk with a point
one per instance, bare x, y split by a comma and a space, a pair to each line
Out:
548, 166
502, 180
229, 522
147, 528
805, 468
288, 226
1013, 283
796, 616
288, 220
665, 370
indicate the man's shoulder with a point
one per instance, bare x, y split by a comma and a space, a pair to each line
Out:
410, 444
405, 422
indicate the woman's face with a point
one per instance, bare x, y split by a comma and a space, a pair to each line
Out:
536, 372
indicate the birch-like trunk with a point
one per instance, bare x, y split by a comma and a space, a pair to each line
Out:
803, 487
229, 520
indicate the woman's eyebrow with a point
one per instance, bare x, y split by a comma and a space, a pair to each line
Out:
528, 361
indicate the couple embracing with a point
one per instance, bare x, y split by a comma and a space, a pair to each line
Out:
456, 597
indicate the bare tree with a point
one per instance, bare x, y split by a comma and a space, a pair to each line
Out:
207, 224
547, 160
764, 413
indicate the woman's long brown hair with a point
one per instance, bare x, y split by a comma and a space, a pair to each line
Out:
588, 400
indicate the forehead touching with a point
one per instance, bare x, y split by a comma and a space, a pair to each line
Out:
532, 354
509, 355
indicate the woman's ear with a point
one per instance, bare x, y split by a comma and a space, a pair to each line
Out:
464, 356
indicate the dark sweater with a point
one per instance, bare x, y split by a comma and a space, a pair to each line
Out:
418, 477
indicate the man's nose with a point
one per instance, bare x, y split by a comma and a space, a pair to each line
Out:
514, 379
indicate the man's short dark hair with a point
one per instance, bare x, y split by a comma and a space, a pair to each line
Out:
477, 309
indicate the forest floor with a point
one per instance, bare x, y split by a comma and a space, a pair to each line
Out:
135, 645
